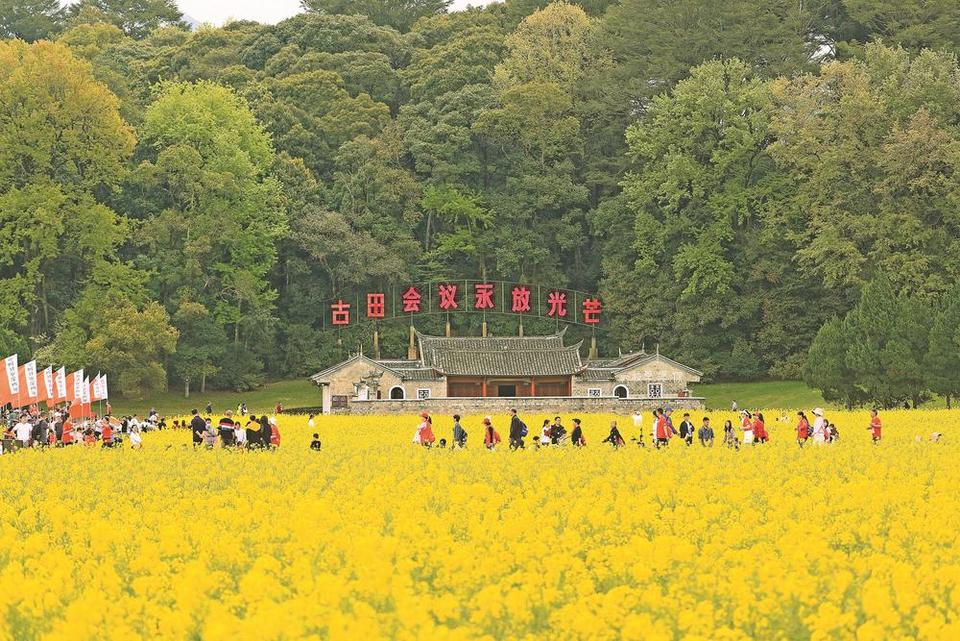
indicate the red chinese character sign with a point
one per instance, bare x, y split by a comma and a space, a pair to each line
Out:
340, 313
411, 301
376, 305
498, 297
448, 297
520, 299
591, 311
483, 296
557, 304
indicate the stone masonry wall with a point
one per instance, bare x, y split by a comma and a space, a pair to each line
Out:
532, 405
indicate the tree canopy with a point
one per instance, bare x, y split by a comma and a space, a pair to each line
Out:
740, 181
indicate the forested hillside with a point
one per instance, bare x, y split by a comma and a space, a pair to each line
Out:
729, 176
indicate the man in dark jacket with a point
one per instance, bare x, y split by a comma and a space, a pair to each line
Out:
687, 430
198, 426
517, 431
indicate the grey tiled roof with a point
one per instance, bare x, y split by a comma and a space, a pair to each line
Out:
417, 373
598, 374
501, 355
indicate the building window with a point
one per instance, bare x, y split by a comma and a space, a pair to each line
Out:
423, 393
655, 390
594, 392
396, 393
338, 401
620, 391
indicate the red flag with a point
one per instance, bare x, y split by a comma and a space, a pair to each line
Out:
10, 384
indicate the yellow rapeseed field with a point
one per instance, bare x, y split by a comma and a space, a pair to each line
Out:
374, 537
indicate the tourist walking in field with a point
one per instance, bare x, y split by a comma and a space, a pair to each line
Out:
274, 434
227, 428
252, 429
759, 429
106, 434
614, 438
875, 426
746, 424
544, 433
311, 423
239, 434
265, 431
730, 436
557, 431
490, 436
687, 430
136, 437
705, 433
518, 429
23, 430
803, 429
197, 427
315, 443
638, 422
425, 434
459, 434
209, 434
820, 429
576, 436
209, 408
662, 432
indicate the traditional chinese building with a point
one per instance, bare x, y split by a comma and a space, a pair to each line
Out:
492, 373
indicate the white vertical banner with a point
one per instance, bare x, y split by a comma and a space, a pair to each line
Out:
13, 375
30, 376
61, 380
78, 385
48, 384
97, 396
85, 391
104, 392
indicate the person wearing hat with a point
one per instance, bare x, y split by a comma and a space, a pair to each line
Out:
490, 435
747, 426
819, 426
425, 434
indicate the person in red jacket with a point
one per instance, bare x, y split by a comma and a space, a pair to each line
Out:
803, 429
274, 434
662, 430
106, 434
759, 429
490, 436
875, 425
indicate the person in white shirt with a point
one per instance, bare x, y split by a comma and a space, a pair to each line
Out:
240, 434
819, 426
22, 431
638, 421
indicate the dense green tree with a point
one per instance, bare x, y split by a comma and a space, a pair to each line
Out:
400, 14
826, 366
888, 341
137, 18
30, 19
63, 147
912, 24
200, 348
942, 361
210, 235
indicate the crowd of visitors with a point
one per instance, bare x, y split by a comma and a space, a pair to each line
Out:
752, 431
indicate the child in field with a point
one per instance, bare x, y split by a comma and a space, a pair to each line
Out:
747, 426
875, 426
315, 443
459, 434
106, 434
89, 438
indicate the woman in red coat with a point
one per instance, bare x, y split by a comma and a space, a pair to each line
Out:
803, 429
490, 435
759, 429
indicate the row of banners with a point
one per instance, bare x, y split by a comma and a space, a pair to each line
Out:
24, 386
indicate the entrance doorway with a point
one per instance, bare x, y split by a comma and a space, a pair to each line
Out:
506, 390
